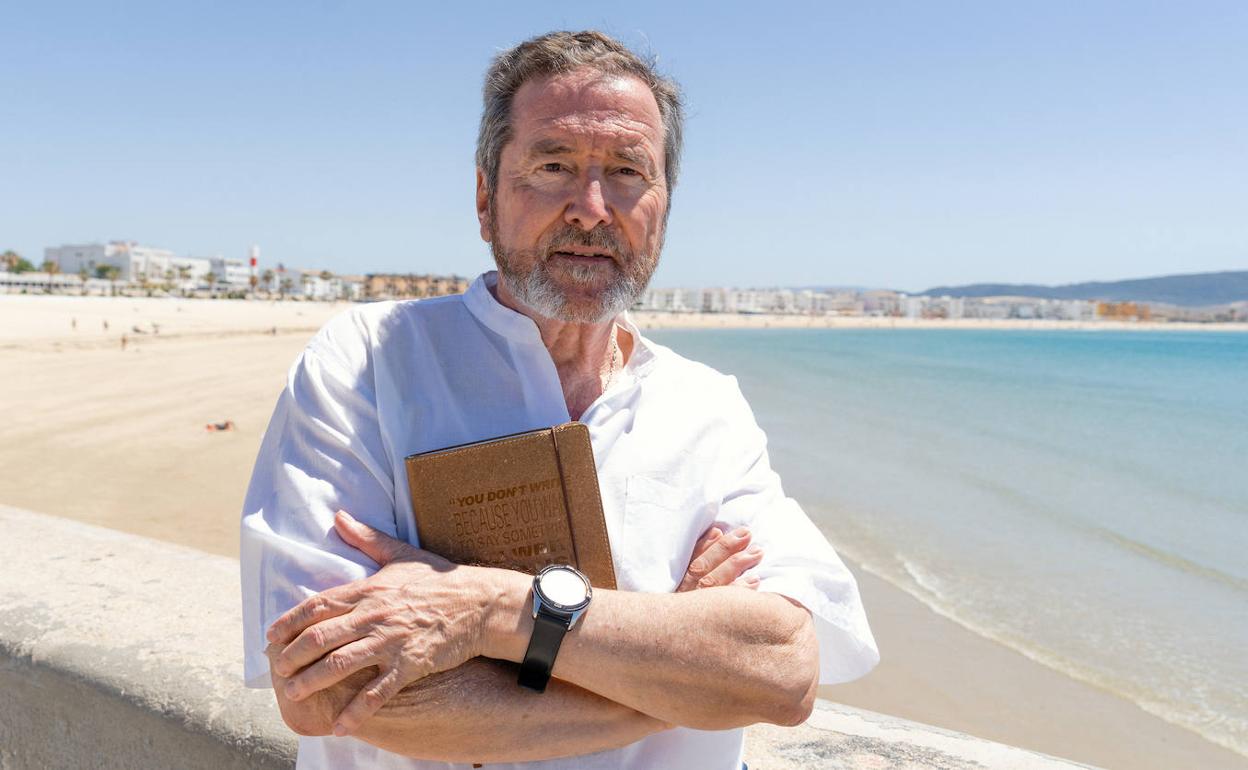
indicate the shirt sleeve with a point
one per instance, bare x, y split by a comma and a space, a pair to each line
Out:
322, 452
798, 561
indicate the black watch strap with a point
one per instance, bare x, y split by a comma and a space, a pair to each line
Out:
539, 659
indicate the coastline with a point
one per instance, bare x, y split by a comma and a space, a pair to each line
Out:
38, 319
657, 320
117, 439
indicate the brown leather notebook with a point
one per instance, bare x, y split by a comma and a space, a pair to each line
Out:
521, 502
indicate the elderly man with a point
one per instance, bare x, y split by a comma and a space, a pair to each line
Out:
385, 655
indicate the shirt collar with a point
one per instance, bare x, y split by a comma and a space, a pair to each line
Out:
503, 320
495, 315
642, 357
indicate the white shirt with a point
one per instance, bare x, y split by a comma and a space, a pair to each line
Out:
676, 447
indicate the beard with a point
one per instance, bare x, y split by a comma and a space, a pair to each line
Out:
529, 277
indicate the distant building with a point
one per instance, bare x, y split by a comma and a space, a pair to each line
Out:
881, 302
231, 274
134, 262
352, 287
313, 284
33, 282
187, 272
412, 286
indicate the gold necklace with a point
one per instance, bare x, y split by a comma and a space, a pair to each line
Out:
615, 353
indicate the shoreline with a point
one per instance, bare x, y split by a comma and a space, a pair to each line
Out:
936, 671
117, 439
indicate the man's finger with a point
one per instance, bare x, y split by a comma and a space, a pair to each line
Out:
732, 568
318, 640
325, 605
368, 702
375, 544
704, 542
715, 554
747, 581
331, 669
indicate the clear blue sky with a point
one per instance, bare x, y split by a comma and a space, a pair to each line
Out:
882, 144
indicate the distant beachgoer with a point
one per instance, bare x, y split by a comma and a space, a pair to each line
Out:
123, 343
214, 427
105, 324
73, 324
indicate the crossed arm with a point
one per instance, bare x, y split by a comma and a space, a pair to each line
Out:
475, 713
396, 659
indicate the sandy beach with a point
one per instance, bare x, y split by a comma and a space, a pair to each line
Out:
117, 438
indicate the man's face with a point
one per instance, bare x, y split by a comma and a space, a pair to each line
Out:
576, 221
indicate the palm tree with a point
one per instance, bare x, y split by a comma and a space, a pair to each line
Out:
51, 268
210, 278
267, 279
9, 260
111, 273
83, 275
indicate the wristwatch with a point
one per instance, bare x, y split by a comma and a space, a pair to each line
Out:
560, 596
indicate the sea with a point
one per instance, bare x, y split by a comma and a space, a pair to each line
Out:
1079, 496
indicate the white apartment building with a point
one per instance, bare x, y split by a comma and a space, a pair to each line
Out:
326, 287
187, 272
310, 285
352, 287
230, 273
133, 260
34, 283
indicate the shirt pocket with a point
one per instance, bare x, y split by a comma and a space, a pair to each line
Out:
661, 524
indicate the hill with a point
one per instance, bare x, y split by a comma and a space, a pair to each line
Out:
1192, 290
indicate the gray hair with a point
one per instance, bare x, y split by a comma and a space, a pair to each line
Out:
560, 52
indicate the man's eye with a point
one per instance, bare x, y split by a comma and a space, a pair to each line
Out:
626, 171
553, 167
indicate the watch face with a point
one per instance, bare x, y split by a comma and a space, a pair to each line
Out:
563, 587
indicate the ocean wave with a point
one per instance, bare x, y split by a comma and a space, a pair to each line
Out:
1170, 559
1225, 730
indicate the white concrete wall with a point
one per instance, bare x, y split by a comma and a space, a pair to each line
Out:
117, 651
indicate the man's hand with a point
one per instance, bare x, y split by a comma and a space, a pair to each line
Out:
721, 559
420, 614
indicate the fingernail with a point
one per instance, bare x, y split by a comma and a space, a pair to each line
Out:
741, 532
345, 515
340, 731
754, 550
716, 533
291, 692
271, 635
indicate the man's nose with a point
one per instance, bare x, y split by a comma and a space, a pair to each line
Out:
589, 207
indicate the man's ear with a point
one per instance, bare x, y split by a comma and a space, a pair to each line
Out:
483, 206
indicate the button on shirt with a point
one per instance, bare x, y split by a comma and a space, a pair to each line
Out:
676, 447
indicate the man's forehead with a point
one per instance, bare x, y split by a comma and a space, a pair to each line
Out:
586, 105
